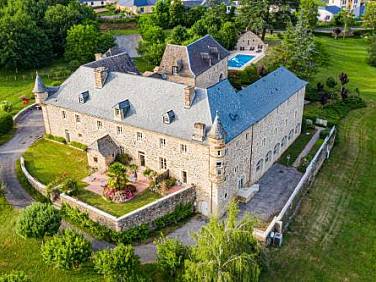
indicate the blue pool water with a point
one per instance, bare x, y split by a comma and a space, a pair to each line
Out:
239, 60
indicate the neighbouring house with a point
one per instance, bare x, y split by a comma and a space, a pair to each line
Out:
357, 7
190, 121
136, 6
248, 41
194, 3
327, 13
97, 3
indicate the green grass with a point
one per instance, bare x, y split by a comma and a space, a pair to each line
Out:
117, 209
333, 236
143, 65
4, 138
116, 32
296, 148
47, 160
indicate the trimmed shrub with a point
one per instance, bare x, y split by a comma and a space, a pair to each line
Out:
66, 251
14, 276
78, 145
6, 122
6, 106
119, 264
38, 220
69, 186
171, 254
56, 138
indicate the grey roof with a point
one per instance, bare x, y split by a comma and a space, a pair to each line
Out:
129, 43
137, 3
39, 85
151, 98
197, 64
118, 63
116, 50
217, 131
105, 145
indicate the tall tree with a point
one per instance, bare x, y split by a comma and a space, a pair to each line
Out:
309, 10
227, 35
176, 12
370, 15
161, 13
178, 35
224, 251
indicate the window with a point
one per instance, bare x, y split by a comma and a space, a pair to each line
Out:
218, 164
95, 159
78, 118
240, 183
286, 122
268, 156
297, 128
276, 149
183, 148
162, 142
263, 142
117, 112
246, 136
64, 114
99, 124
259, 165
139, 136
276, 131
295, 114
236, 169
162, 163
184, 177
291, 134
79, 135
122, 150
119, 130
283, 143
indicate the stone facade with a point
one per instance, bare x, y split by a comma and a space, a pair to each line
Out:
249, 41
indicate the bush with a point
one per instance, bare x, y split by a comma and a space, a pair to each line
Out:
324, 133
6, 122
171, 254
6, 106
119, 264
78, 145
69, 186
123, 158
38, 220
14, 276
66, 251
56, 138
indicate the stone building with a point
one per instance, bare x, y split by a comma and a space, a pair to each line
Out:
197, 126
248, 41
136, 7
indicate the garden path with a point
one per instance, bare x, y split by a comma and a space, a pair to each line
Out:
308, 147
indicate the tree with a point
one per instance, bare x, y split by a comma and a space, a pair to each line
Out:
369, 19
66, 251
228, 35
297, 50
38, 220
348, 21
178, 35
309, 10
171, 254
119, 264
6, 122
193, 15
176, 11
69, 186
344, 79
153, 43
83, 41
118, 178
161, 13
372, 51
224, 251
23, 43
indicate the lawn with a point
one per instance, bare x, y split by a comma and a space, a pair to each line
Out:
47, 160
116, 32
296, 148
333, 236
117, 209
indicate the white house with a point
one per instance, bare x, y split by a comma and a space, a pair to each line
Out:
327, 13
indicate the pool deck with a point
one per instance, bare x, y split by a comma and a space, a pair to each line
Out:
257, 57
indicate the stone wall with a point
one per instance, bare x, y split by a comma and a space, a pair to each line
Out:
213, 75
248, 40
41, 188
194, 161
144, 215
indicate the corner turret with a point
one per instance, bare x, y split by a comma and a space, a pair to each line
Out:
39, 90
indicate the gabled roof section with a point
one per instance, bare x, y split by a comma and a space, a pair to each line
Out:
332, 9
117, 63
137, 3
39, 85
204, 45
105, 145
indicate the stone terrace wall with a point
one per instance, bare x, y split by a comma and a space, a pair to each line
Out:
144, 215
41, 188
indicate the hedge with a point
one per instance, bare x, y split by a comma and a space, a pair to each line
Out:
78, 145
6, 122
135, 234
56, 138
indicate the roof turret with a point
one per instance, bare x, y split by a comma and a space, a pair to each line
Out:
216, 131
39, 85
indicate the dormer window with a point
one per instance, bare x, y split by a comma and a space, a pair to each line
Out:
169, 117
121, 110
84, 96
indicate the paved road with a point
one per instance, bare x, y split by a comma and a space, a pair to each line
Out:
29, 128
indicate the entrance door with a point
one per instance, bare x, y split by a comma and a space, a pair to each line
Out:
67, 136
141, 156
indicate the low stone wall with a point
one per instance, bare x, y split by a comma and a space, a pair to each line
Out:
21, 113
282, 220
41, 188
144, 215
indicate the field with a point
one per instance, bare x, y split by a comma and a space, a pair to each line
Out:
333, 237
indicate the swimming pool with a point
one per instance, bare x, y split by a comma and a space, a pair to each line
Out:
239, 60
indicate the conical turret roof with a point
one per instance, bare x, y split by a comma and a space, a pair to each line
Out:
39, 85
216, 131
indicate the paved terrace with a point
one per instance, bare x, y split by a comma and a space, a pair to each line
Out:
276, 186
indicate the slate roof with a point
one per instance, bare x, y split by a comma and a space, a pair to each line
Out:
332, 9
38, 85
137, 3
116, 50
118, 63
197, 64
105, 145
150, 98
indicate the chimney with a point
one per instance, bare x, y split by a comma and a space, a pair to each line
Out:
98, 56
199, 131
100, 77
189, 95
